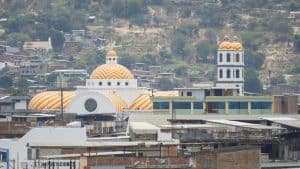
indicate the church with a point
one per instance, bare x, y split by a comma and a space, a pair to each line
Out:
110, 89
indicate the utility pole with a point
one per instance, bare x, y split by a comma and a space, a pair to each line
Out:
61, 96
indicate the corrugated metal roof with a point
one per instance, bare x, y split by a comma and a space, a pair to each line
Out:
243, 124
287, 121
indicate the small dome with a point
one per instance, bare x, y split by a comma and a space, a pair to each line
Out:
111, 53
230, 46
143, 102
111, 71
50, 100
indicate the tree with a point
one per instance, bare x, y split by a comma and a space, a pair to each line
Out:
181, 70
165, 84
127, 61
149, 59
178, 44
278, 79
17, 39
205, 48
6, 82
57, 39
254, 60
252, 83
297, 43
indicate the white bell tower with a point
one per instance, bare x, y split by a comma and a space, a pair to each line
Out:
111, 57
230, 66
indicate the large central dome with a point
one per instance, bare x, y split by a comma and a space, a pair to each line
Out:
111, 71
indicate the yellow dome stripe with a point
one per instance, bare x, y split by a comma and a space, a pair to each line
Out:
50, 100
111, 53
111, 71
143, 102
116, 100
230, 46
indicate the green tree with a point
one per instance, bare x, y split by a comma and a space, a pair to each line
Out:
278, 79
57, 39
254, 60
205, 48
178, 44
252, 82
127, 61
17, 39
297, 43
181, 70
149, 59
165, 84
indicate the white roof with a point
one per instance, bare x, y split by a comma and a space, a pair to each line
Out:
190, 126
143, 128
287, 121
75, 143
242, 124
87, 154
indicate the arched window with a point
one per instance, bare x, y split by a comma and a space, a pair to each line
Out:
126, 83
228, 73
237, 57
237, 73
118, 83
228, 57
221, 73
108, 83
100, 83
220, 57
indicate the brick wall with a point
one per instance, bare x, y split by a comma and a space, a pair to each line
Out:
239, 159
129, 161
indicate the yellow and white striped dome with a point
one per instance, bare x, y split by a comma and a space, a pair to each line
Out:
111, 71
119, 104
111, 53
230, 46
50, 100
144, 102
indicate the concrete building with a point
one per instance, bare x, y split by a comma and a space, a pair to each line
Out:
230, 66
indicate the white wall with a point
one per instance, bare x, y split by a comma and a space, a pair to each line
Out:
18, 147
21, 105
104, 104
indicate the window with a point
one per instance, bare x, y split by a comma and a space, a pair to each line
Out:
228, 73
90, 105
261, 105
160, 105
100, 83
126, 83
108, 83
221, 73
189, 94
198, 105
182, 105
238, 105
237, 73
181, 93
118, 83
237, 57
228, 57
220, 57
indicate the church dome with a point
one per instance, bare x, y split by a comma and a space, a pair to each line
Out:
50, 100
111, 53
111, 71
230, 46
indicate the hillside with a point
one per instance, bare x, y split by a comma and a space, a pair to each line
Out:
171, 33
